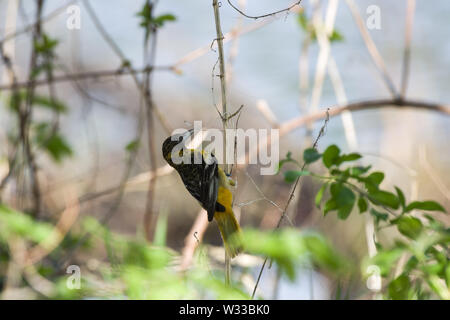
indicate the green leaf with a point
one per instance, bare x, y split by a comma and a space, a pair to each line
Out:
376, 177
424, 205
161, 229
289, 247
357, 171
385, 260
409, 226
330, 205
319, 195
160, 20
344, 198
46, 44
386, 198
348, 157
52, 104
322, 253
336, 36
132, 145
401, 196
15, 223
379, 216
52, 142
399, 288
284, 247
311, 155
292, 175
330, 156
362, 205
58, 147
303, 21
286, 160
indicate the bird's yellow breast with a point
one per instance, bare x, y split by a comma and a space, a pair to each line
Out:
224, 197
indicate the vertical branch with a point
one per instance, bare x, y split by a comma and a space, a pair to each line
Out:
224, 114
150, 55
25, 116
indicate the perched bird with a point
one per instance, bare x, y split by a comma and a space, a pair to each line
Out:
210, 185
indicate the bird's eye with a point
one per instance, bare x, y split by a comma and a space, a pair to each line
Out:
180, 138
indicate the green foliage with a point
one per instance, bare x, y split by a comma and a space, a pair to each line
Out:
49, 103
52, 142
426, 240
289, 248
307, 26
45, 45
410, 227
310, 155
287, 160
150, 22
17, 224
132, 146
291, 176
424, 205
330, 156
45, 53
399, 288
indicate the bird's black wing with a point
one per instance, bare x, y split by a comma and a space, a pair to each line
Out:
210, 186
202, 181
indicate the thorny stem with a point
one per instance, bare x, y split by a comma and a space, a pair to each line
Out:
291, 196
224, 114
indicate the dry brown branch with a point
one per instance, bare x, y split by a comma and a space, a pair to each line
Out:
94, 75
295, 123
267, 113
194, 236
197, 53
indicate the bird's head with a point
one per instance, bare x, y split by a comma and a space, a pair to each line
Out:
173, 141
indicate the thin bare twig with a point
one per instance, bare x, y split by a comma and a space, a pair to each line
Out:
372, 48
125, 62
264, 15
30, 27
85, 75
291, 196
407, 51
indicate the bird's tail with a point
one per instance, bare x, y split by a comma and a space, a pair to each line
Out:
230, 231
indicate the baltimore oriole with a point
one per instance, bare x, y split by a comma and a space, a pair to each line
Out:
209, 184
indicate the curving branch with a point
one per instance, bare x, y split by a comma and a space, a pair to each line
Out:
264, 15
362, 105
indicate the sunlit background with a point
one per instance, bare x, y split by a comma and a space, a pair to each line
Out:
264, 68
